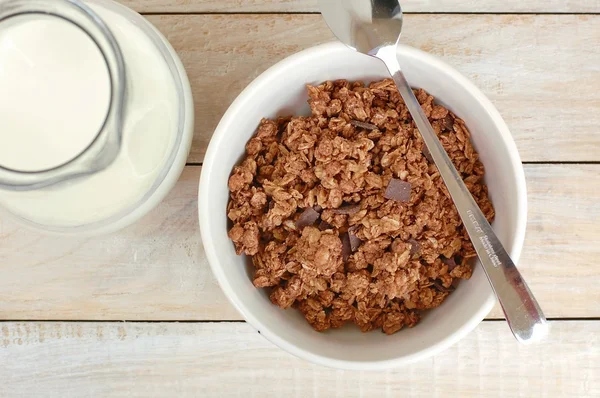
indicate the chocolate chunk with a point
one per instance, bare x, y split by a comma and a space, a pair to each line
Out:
449, 122
427, 154
318, 208
346, 246
441, 287
363, 125
308, 217
415, 247
325, 225
355, 242
398, 190
348, 209
458, 260
449, 262
350, 243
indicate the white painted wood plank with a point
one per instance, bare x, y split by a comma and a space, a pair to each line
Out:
157, 270
541, 71
233, 360
283, 6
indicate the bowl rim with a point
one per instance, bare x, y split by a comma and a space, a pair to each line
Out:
211, 159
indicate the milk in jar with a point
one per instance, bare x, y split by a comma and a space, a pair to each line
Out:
56, 91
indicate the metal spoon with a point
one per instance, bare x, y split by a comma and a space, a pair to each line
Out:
373, 27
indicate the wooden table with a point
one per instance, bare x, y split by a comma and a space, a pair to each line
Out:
138, 313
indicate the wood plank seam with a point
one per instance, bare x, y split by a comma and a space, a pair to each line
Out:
235, 321
513, 64
409, 6
135, 360
157, 270
433, 13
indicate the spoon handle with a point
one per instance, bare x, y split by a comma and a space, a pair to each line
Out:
524, 315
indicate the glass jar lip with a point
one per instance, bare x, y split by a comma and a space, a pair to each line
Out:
104, 148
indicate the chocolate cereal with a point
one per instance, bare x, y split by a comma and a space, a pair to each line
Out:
344, 217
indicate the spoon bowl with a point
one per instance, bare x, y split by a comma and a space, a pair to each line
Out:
364, 26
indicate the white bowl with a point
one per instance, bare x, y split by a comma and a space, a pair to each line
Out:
281, 91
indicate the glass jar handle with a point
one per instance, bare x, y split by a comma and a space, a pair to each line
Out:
106, 145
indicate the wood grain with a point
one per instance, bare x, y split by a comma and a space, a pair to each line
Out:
158, 264
233, 360
157, 270
286, 6
541, 71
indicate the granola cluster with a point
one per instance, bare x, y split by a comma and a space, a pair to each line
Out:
343, 215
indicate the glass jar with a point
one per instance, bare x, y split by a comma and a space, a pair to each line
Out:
96, 115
